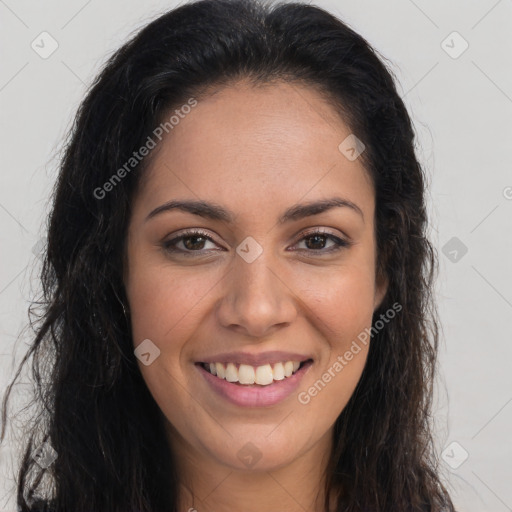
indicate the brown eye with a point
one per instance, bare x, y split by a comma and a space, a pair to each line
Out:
316, 242
194, 243
189, 244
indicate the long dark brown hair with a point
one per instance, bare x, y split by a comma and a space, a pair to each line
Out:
94, 407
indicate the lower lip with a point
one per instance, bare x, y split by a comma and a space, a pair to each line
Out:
255, 395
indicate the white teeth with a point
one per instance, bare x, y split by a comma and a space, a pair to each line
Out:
231, 373
221, 373
288, 368
247, 374
264, 375
278, 371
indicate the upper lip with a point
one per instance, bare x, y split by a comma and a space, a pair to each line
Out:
256, 359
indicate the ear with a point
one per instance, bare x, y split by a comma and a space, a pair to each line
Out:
381, 288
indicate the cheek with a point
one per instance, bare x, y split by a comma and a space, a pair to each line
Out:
166, 303
166, 306
341, 302
341, 308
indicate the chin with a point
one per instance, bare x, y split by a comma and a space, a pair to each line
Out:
258, 452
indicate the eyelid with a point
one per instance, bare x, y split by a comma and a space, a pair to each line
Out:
323, 231
192, 232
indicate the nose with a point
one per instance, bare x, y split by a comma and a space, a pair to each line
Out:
257, 300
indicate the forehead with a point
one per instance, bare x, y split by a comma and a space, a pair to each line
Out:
260, 146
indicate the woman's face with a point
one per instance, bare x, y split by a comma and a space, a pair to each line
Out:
255, 287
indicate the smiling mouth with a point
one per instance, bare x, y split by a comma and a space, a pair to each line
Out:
247, 375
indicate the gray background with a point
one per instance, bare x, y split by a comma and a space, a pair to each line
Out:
461, 106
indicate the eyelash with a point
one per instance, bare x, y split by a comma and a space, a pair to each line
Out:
169, 245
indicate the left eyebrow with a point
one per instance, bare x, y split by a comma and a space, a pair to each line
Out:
216, 212
314, 208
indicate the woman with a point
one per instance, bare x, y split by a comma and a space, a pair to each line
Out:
237, 280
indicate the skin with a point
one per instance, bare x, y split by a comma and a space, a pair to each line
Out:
255, 151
